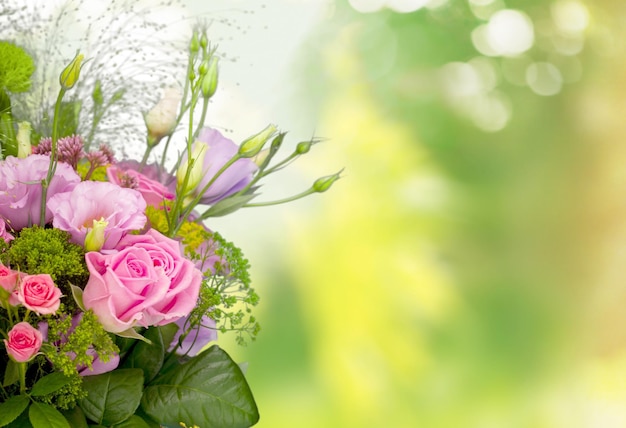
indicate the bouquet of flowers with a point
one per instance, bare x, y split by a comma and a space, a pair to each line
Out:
112, 288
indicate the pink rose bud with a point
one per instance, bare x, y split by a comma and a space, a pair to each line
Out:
8, 279
23, 343
39, 294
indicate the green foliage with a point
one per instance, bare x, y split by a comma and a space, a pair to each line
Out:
226, 295
38, 250
16, 68
209, 391
77, 340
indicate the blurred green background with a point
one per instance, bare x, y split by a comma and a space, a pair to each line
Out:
467, 271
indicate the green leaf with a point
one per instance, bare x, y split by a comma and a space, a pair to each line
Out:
75, 417
227, 206
150, 357
209, 390
43, 415
12, 408
133, 422
112, 397
11, 374
49, 383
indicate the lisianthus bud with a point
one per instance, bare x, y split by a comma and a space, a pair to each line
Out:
94, 239
69, 76
209, 81
194, 44
23, 139
253, 145
161, 120
303, 147
196, 163
323, 184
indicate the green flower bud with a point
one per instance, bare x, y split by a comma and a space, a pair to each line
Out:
69, 76
303, 147
253, 145
94, 240
204, 67
323, 184
194, 44
204, 40
209, 82
23, 139
196, 163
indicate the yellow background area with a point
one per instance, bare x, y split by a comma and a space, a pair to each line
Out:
424, 290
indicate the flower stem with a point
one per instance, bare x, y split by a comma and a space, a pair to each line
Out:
282, 201
53, 156
21, 367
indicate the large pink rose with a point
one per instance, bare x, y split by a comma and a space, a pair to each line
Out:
23, 342
147, 282
39, 294
75, 211
152, 191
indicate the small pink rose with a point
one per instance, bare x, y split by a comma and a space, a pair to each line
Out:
9, 279
23, 343
39, 294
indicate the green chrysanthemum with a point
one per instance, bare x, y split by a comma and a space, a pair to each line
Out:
16, 68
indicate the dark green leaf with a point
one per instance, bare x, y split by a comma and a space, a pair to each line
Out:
112, 397
12, 408
133, 422
49, 383
22, 421
209, 390
75, 417
149, 357
45, 416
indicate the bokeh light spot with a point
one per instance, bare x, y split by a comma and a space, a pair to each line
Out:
510, 32
544, 78
406, 6
367, 6
570, 16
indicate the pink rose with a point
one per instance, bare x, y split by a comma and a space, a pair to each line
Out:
39, 294
147, 282
152, 191
23, 343
9, 279
123, 210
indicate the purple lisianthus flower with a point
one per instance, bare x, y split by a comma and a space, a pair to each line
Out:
97, 365
217, 152
20, 188
197, 338
122, 209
